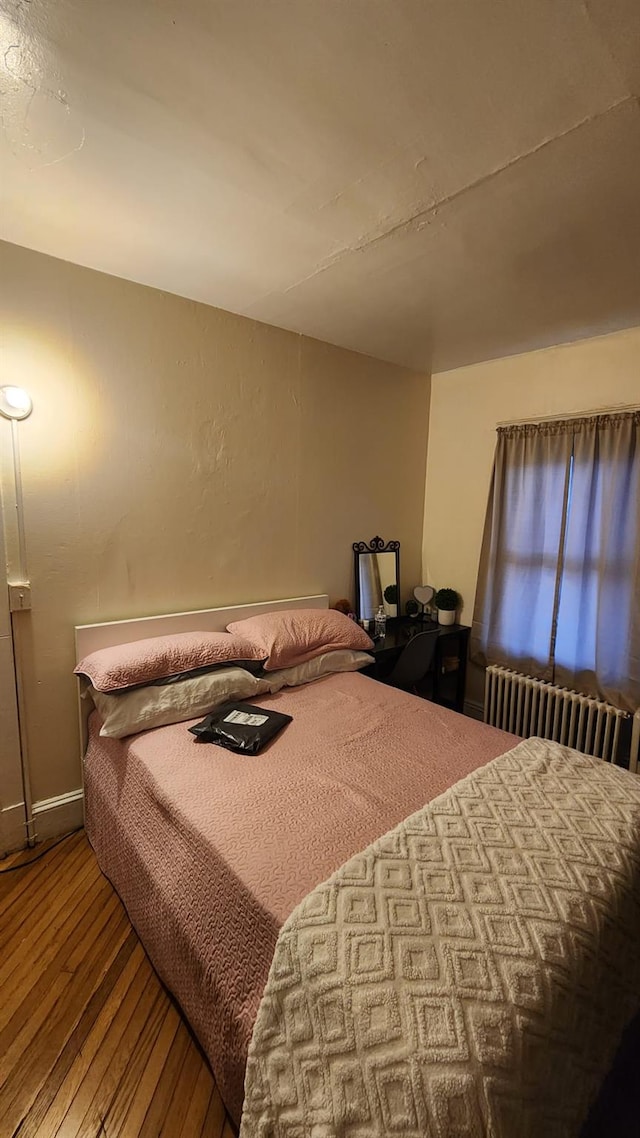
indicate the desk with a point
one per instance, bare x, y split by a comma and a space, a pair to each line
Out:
449, 662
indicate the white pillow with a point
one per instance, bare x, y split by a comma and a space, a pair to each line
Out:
342, 660
156, 706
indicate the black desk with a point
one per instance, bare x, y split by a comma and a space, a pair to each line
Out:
447, 681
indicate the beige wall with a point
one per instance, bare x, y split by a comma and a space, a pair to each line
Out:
467, 404
180, 457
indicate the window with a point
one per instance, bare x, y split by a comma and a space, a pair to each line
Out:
559, 583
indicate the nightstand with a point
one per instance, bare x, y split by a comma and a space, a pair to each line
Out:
446, 683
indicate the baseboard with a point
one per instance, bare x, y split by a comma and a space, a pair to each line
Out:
474, 709
59, 815
13, 828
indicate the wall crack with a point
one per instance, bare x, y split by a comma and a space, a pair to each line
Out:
423, 216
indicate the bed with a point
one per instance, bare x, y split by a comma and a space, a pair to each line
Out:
212, 852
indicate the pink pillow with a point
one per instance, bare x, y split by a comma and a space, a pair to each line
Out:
296, 635
163, 657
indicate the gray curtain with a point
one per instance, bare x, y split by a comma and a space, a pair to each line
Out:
370, 586
558, 592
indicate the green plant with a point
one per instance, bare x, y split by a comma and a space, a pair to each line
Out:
412, 608
447, 600
391, 594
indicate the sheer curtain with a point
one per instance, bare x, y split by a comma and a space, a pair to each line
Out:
559, 582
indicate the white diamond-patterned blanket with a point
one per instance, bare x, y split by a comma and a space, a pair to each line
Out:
470, 974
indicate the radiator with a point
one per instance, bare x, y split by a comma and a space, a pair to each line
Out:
525, 706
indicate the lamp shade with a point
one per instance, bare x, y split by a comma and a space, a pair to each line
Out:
15, 402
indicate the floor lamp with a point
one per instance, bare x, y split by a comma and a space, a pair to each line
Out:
15, 404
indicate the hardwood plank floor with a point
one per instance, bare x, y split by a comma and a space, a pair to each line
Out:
91, 1044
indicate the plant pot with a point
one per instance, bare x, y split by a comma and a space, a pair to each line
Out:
446, 616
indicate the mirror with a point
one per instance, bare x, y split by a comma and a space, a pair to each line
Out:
377, 577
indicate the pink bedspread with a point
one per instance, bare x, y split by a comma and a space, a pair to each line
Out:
211, 851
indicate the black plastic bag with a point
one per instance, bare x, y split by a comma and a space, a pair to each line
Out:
240, 727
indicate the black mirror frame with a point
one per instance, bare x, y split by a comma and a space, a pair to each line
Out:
376, 545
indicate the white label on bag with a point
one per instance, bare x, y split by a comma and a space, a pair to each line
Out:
246, 718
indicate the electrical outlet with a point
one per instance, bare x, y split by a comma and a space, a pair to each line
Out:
20, 597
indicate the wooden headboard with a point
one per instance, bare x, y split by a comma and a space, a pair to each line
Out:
91, 637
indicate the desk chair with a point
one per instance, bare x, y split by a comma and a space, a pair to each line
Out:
414, 661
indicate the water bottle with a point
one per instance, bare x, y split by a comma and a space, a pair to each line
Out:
381, 623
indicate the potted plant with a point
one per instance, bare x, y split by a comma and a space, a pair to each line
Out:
412, 608
391, 600
446, 602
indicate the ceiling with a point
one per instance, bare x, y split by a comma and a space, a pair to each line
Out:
433, 182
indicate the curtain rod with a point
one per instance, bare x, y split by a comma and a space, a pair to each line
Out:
562, 415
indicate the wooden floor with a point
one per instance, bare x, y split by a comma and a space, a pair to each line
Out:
90, 1043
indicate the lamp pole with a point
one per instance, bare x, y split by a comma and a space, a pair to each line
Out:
15, 404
